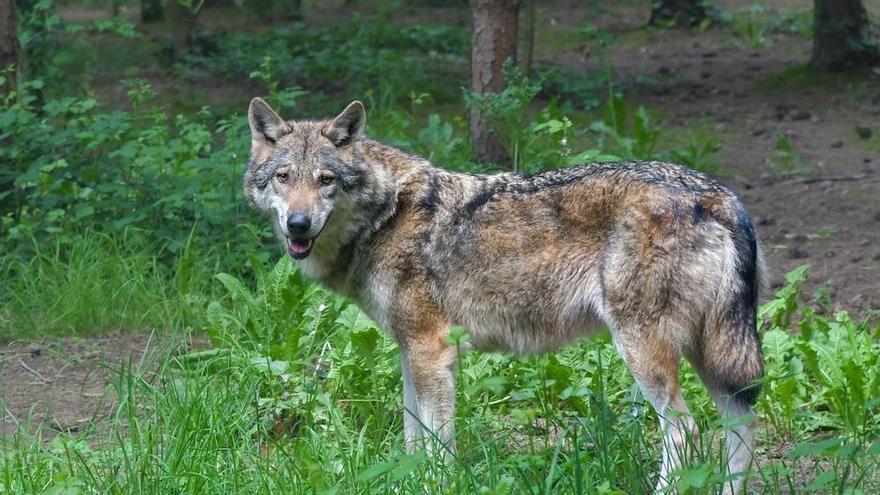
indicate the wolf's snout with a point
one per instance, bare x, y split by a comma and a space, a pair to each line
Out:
298, 224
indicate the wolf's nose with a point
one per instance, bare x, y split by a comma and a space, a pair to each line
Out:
298, 223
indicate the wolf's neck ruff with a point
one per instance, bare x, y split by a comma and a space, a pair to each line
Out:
664, 257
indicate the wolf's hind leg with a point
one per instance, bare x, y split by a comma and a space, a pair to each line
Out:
655, 365
739, 437
730, 367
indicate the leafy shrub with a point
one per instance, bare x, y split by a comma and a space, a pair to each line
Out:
634, 135
74, 165
543, 143
828, 364
306, 342
506, 110
630, 137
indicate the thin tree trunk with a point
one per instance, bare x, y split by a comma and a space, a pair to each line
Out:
8, 45
679, 12
842, 35
181, 21
494, 41
528, 37
151, 11
296, 10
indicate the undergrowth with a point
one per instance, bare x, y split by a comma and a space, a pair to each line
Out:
300, 393
97, 282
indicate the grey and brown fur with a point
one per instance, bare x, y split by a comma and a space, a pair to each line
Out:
662, 256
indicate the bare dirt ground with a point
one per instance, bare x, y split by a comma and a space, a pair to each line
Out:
824, 212
68, 384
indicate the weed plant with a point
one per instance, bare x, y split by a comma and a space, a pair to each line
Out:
301, 393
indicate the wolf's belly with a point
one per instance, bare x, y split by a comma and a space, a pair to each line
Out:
530, 308
529, 328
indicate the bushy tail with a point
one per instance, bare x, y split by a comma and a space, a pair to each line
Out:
732, 356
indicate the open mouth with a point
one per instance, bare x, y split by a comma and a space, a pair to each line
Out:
299, 248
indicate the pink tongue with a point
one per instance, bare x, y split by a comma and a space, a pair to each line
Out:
300, 246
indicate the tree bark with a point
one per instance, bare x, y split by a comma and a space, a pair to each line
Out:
181, 21
151, 11
679, 12
528, 36
8, 45
842, 35
494, 41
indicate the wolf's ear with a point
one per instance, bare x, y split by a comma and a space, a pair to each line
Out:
348, 126
266, 126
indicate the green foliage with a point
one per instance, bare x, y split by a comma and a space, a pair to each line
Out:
300, 339
439, 142
628, 136
280, 99
72, 164
798, 23
95, 282
828, 364
634, 135
572, 86
506, 110
44, 56
543, 143
37, 25
300, 393
698, 153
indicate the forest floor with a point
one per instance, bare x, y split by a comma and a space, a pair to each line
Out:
822, 208
65, 384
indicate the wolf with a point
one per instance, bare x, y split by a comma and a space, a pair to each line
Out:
663, 257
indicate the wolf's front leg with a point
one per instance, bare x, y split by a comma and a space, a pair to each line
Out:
412, 427
428, 368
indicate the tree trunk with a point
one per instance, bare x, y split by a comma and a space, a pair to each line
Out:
151, 11
528, 37
678, 12
842, 35
494, 41
8, 45
181, 21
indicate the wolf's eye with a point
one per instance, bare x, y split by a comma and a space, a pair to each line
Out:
282, 177
327, 179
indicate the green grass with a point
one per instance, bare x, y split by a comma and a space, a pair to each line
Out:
300, 393
97, 282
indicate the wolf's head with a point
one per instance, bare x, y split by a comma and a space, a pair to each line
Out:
310, 176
